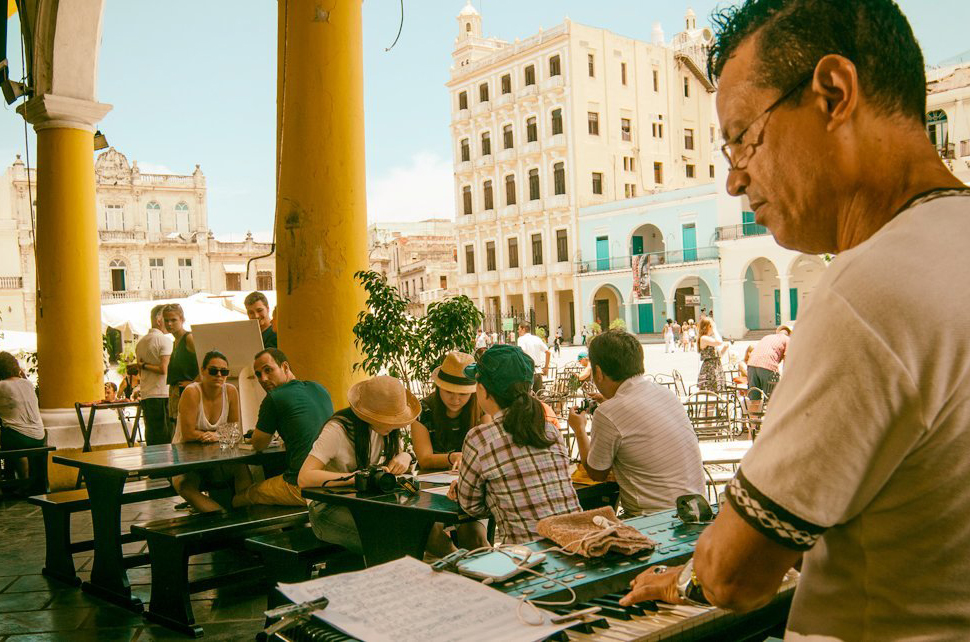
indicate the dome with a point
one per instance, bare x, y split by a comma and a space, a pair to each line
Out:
690, 13
468, 10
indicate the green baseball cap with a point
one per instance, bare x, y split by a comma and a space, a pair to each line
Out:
500, 366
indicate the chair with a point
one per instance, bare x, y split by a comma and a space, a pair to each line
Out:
709, 415
754, 406
680, 389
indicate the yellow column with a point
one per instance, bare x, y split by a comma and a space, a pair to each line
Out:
321, 229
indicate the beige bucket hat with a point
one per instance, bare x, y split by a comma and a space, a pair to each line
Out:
384, 400
450, 375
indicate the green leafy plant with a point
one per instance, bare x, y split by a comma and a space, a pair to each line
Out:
541, 333
126, 359
385, 333
617, 324
595, 327
449, 325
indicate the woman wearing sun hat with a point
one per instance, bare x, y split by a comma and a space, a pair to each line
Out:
367, 433
514, 467
447, 414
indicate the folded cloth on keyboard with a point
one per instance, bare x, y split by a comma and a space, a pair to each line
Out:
579, 533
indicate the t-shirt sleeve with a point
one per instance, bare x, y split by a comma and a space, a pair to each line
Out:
266, 420
164, 346
327, 445
603, 444
841, 420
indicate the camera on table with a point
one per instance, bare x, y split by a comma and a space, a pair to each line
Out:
375, 480
588, 406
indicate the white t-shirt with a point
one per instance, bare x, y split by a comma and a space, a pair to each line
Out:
336, 452
19, 409
534, 347
150, 349
864, 456
481, 341
644, 435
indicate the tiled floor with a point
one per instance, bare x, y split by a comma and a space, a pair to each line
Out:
35, 608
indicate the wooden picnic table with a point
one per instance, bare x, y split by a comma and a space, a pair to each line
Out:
106, 471
87, 427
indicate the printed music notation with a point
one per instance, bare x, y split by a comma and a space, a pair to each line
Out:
405, 600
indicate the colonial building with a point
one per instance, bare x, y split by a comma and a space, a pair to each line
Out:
154, 240
948, 115
570, 118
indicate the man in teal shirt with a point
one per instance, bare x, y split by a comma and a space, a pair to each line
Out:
297, 411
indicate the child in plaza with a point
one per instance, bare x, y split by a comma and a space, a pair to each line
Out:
367, 433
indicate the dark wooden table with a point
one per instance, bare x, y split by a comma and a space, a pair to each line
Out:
131, 433
105, 472
396, 524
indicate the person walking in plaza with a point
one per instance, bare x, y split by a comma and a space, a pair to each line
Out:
182, 366
153, 352
205, 407
860, 472
537, 350
296, 410
481, 340
20, 423
257, 307
668, 336
711, 349
515, 467
585, 334
366, 433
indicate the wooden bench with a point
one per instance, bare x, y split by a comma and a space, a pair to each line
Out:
172, 541
57, 509
37, 457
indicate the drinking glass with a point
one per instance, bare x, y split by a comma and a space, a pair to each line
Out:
235, 433
225, 432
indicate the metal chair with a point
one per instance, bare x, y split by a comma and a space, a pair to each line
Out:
709, 415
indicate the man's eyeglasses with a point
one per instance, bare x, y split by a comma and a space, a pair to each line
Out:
214, 372
738, 154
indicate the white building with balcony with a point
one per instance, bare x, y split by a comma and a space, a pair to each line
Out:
948, 116
570, 118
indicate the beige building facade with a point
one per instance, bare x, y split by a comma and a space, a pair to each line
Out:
571, 117
948, 116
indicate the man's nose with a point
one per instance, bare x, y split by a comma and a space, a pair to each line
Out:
737, 181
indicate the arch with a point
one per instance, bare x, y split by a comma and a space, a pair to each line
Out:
118, 263
606, 303
182, 207
118, 272
744, 270
692, 285
651, 241
762, 304
937, 128
153, 206
804, 273
64, 50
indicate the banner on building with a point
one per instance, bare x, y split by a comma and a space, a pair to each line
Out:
641, 277
692, 299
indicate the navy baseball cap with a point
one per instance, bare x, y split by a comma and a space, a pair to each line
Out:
500, 366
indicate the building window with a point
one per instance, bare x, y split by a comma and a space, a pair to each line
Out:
688, 139
593, 123
154, 211
469, 259
712, 134
186, 280
625, 133
114, 217
556, 121
530, 75
513, 252
510, 189
533, 184
466, 199
686, 86
623, 72
689, 169
487, 195
233, 281
463, 100
444, 282
156, 273
490, 256
592, 67
483, 92
537, 249
264, 280
407, 288
656, 81
559, 178
562, 246
531, 130
466, 154
118, 273
630, 190
182, 219
554, 67
486, 144
597, 182
712, 171
658, 130
507, 84
507, 137
658, 173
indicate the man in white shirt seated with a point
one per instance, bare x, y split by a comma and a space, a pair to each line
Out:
641, 431
537, 349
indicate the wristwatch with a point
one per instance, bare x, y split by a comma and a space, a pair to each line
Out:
688, 588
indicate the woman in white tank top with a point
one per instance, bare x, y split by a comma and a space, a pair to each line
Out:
204, 406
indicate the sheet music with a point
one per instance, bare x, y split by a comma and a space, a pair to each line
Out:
405, 600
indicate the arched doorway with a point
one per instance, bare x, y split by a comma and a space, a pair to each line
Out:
648, 239
936, 129
806, 271
118, 275
607, 306
691, 295
762, 308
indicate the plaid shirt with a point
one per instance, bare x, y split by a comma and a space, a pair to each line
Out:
518, 485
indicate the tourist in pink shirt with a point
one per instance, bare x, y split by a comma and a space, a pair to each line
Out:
765, 360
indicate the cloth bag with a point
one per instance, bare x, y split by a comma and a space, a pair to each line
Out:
577, 533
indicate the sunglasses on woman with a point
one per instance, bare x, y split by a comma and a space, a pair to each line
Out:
213, 371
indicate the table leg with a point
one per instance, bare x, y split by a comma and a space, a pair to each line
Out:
109, 578
390, 535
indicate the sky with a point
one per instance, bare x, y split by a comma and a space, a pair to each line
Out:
195, 83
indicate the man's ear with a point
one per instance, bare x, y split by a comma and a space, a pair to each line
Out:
836, 82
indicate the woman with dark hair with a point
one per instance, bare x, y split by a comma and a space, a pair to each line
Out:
183, 368
514, 467
204, 407
20, 423
366, 434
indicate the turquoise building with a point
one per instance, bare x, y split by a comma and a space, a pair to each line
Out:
669, 237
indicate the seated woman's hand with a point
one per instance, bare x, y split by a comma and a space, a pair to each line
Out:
399, 464
208, 437
453, 491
